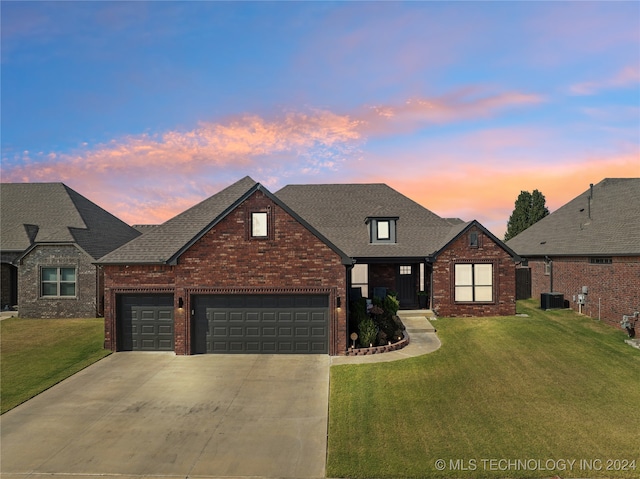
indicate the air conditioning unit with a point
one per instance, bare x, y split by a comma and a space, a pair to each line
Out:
552, 301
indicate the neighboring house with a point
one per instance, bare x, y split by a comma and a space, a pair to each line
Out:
588, 251
50, 237
247, 271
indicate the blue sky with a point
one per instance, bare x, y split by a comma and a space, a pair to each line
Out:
148, 107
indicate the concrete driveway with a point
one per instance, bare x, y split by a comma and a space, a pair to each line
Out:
157, 414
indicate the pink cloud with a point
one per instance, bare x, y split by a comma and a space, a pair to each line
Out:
626, 77
150, 178
460, 105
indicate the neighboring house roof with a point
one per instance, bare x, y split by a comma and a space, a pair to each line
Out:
36, 213
166, 242
604, 220
340, 212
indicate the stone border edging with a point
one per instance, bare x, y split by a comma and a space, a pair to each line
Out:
380, 349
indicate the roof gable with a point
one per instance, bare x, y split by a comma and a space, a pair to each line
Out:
33, 213
461, 228
166, 242
603, 220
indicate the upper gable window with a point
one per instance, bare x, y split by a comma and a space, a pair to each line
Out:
474, 241
259, 224
382, 230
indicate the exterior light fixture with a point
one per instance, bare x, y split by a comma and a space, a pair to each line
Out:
180, 303
338, 302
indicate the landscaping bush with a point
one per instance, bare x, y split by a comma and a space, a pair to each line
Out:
391, 305
367, 332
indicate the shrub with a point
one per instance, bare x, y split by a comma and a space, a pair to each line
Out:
391, 305
368, 332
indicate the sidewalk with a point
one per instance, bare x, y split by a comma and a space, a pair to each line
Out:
422, 336
8, 314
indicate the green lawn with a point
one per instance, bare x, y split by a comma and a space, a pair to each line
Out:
503, 397
35, 354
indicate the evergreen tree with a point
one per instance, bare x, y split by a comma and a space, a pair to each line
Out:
529, 209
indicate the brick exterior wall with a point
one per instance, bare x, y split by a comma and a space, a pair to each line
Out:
31, 304
504, 277
382, 276
227, 260
614, 289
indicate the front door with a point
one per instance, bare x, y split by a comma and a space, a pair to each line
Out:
406, 277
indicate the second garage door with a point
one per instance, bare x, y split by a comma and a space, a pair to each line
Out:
269, 324
145, 322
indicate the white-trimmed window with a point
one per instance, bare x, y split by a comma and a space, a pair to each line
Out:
58, 282
259, 226
383, 230
473, 283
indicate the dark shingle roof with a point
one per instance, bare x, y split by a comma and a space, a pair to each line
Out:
162, 243
339, 212
54, 213
608, 224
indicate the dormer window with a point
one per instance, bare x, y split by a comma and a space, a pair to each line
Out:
382, 230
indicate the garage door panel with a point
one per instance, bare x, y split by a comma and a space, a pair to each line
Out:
318, 332
236, 332
269, 332
261, 323
219, 316
285, 332
253, 332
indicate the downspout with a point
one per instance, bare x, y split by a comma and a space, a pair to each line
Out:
429, 262
347, 300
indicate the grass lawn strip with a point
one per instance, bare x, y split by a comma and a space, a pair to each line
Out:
35, 354
553, 386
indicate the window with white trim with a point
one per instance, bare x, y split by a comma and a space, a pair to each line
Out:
259, 226
473, 283
58, 282
383, 230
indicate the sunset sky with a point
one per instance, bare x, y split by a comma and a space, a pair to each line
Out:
148, 108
